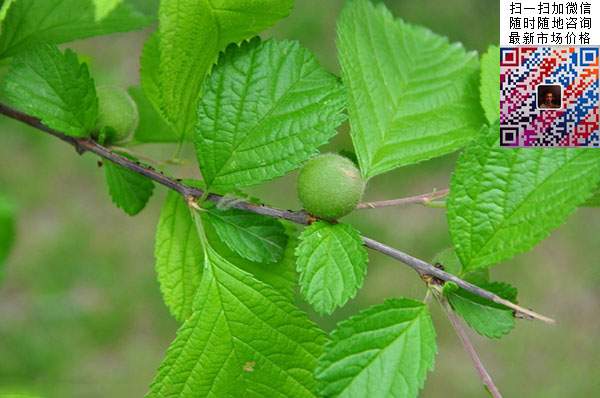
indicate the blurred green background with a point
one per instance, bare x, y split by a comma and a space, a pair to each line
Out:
80, 309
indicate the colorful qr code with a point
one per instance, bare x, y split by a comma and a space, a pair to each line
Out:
549, 97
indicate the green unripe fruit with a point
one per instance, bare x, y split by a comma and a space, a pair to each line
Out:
118, 116
330, 186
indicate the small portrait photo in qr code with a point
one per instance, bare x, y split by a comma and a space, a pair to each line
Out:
549, 96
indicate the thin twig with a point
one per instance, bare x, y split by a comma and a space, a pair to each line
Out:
426, 269
83, 145
418, 199
467, 344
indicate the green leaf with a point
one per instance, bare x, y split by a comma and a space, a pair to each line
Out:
594, 201
245, 337
281, 276
149, 71
504, 201
179, 256
266, 109
179, 259
7, 229
154, 126
485, 317
412, 95
128, 190
53, 87
29, 22
252, 236
384, 351
332, 263
151, 127
4, 7
192, 33
490, 83
105, 7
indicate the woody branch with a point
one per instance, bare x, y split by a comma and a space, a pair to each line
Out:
423, 268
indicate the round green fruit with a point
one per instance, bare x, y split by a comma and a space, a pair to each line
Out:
330, 186
118, 116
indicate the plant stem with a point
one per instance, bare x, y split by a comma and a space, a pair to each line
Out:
427, 297
468, 345
423, 199
426, 269
423, 268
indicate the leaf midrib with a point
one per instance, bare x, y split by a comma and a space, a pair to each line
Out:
220, 285
261, 120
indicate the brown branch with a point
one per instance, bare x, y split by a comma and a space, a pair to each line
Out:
467, 344
423, 199
426, 269
83, 145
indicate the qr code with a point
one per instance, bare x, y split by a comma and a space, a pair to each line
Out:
549, 97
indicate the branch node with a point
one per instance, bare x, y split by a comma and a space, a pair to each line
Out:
79, 148
192, 203
311, 219
432, 280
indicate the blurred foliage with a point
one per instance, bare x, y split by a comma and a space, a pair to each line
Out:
80, 308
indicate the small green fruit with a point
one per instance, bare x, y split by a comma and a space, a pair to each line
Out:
330, 186
118, 116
